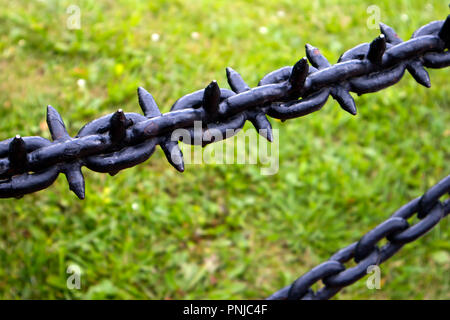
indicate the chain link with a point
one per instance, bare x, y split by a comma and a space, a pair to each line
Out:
396, 230
122, 140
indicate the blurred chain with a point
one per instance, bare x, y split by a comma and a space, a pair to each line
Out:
366, 253
122, 140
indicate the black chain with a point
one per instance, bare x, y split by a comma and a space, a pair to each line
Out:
366, 253
122, 140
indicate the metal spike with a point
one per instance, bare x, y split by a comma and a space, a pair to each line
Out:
75, 179
17, 154
444, 33
390, 34
376, 49
173, 154
345, 100
211, 99
117, 129
419, 73
148, 103
235, 81
298, 75
56, 125
415, 67
263, 126
315, 57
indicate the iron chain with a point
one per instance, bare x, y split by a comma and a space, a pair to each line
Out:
430, 210
122, 140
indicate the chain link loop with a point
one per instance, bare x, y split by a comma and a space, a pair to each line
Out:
365, 252
122, 140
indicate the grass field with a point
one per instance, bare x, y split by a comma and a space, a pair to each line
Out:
215, 231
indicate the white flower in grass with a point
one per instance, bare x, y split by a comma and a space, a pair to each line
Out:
81, 83
263, 30
404, 17
281, 13
155, 37
195, 35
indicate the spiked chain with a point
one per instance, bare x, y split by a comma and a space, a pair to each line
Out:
121, 140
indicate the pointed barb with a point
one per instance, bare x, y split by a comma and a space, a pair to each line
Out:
419, 73
376, 49
235, 81
117, 129
316, 59
56, 125
298, 75
173, 154
390, 34
211, 99
148, 103
75, 179
444, 33
345, 100
18, 154
263, 126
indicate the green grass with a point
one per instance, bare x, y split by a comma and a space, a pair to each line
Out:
215, 231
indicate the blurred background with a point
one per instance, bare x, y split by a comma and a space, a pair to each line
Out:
215, 231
